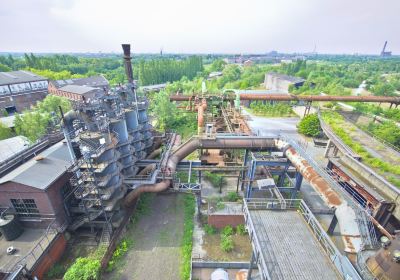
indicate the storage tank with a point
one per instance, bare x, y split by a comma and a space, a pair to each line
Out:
10, 227
219, 274
241, 274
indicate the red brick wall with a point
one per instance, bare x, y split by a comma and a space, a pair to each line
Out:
221, 221
49, 202
53, 254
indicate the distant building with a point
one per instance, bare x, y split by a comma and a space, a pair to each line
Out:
213, 75
79, 93
80, 89
248, 63
281, 82
20, 90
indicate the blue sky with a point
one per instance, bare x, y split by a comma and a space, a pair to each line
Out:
206, 26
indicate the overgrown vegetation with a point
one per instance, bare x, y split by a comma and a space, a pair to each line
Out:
209, 229
310, 125
123, 246
34, 124
217, 180
227, 243
271, 110
336, 122
88, 268
241, 229
233, 196
187, 239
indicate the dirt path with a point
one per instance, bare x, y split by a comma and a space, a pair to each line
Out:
157, 238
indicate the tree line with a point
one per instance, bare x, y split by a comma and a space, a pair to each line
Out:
167, 70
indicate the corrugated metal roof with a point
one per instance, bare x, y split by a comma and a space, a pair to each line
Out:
78, 89
41, 173
93, 81
21, 76
11, 146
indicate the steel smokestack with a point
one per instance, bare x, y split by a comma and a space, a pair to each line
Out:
127, 61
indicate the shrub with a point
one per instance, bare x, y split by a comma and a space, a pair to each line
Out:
209, 229
84, 269
220, 205
241, 229
233, 196
310, 125
227, 244
227, 231
119, 252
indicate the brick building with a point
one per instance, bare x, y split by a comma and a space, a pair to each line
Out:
80, 89
20, 90
35, 189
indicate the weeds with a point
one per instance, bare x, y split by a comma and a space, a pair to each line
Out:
187, 240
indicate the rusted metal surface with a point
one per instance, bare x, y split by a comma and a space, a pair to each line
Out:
290, 97
382, 265
127, 61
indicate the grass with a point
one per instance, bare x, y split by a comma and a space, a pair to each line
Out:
122, 248
337, 124
187, 240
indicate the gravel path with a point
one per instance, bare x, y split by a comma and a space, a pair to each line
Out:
157, 238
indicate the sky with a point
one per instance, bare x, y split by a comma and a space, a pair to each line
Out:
200, 26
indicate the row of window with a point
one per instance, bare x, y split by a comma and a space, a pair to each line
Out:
23, 87
25, 207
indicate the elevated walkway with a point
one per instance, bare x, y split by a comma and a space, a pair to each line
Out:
289, 243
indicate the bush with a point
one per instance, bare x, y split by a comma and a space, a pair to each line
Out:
119, 252
227, 244
220, 205
209, 229
227, 231
241, 229
233, 196
310, 125
84, 269
187, 240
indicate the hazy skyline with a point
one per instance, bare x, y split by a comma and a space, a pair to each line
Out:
219, 26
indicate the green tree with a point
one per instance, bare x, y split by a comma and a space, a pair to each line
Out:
32, 125
51, 105
310, 125
5, 132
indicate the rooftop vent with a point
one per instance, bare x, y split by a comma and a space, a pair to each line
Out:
39, 158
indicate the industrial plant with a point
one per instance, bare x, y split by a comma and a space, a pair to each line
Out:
89, 172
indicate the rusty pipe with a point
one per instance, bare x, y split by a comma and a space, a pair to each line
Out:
154, 153
200, 115
291, 97
127, 62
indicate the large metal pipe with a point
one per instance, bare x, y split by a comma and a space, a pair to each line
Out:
290, 97
127, 62
345, 214
200, 115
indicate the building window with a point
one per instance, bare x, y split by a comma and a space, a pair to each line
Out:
25, 207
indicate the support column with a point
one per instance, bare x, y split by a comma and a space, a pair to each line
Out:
335, 151
332, 225
243, 172
282, 177
328, 148
250, 177
297, 184
254, 259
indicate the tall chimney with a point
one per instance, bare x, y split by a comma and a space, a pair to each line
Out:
127, 61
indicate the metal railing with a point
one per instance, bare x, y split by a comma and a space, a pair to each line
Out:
364, 223
341, 263
31, 258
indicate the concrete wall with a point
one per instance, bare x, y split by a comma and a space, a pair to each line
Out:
22, 101
49, 258
221, 221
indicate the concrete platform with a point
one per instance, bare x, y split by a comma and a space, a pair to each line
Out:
26, 244
296, 252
